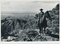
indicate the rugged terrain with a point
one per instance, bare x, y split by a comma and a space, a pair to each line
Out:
26, 29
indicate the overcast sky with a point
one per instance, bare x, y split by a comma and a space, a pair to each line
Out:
26, 6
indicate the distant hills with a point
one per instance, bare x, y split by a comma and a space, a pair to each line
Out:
17, 15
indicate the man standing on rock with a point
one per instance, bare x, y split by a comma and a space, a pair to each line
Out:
40, 19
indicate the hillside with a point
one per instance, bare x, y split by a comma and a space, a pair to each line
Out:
21, 27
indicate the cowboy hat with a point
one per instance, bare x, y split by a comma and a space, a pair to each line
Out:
41, 9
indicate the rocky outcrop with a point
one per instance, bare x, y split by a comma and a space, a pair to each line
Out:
11, 26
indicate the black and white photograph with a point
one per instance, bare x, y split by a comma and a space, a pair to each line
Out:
29, 21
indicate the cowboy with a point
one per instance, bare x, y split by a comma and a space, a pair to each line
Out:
40, 19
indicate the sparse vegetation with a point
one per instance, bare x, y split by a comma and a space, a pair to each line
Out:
24, 29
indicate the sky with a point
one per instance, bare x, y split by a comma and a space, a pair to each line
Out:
26, 6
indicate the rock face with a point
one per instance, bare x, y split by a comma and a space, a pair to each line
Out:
55, 19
